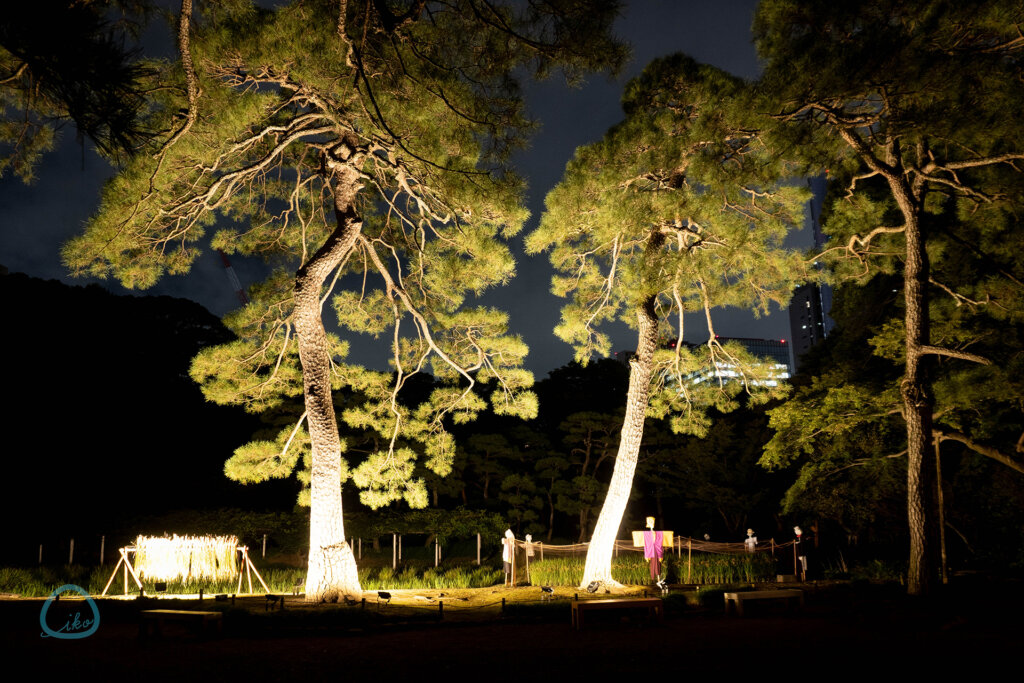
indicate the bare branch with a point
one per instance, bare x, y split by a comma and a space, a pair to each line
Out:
981, 449
864, 461
983, 161
16, 75
952, 353
295, 430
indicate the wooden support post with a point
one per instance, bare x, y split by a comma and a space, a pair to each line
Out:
689, 558
394, 551
440, 610
541, 552
264, 555
71, 553
103, 543
399, 547
127, 568
773, 546
360, 547
40, 553
478, 549
248, 569
437, 553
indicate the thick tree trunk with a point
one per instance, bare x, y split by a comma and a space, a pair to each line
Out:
599, 556
915, 391
332, 567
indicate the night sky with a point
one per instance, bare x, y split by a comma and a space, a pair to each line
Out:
35, 220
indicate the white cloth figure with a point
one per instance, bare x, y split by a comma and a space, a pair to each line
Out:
507, 548
750, 544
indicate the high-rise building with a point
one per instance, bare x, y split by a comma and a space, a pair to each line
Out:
808, 309
775, 352
806, 321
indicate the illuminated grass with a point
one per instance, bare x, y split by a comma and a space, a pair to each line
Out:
41, 581
632, 569
454, 577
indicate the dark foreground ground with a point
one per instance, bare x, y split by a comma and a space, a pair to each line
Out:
844, 631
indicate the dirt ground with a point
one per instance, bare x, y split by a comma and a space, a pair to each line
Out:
840, 633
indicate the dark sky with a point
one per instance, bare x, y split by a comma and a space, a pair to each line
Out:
35, 220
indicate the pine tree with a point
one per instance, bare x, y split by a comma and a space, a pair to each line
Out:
62, 60
679, 209
355, 138
919, 102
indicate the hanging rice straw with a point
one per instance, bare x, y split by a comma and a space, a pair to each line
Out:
186, 558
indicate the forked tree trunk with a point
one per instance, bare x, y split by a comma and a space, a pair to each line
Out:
332, 567
602, 544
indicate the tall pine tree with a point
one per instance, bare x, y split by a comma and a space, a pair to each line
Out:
679, 209
920, 102
348, 137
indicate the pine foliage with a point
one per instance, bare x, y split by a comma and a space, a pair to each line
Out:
690, 173
406, 110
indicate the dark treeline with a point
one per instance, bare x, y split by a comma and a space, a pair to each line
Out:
102, 424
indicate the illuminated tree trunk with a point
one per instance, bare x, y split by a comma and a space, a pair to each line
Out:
602, 543
915, 387
915, 391
917, 407
332, 567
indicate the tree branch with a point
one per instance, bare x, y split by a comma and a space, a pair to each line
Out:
952, 353
981, 449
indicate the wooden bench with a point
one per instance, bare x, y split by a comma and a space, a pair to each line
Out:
736, 600
152, 620
654, 607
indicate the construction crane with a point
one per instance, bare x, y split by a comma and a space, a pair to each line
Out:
233, 279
